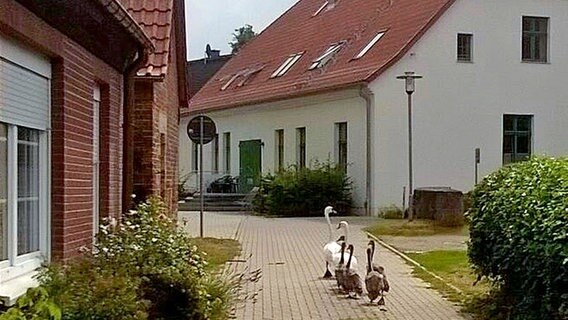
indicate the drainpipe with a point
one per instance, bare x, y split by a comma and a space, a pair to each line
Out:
128, 129
369, 98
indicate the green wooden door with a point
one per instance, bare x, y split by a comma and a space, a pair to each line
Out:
250, 155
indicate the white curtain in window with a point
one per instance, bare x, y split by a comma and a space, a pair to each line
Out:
28, 190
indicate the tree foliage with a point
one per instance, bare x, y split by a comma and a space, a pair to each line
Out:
242, 36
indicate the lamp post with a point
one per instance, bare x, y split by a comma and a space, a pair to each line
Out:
409, 78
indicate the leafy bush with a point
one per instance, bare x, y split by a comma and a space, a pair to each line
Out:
85, 290
305, 191
143, 268
35, 304
519, 236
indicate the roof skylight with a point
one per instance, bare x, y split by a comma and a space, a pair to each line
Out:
370, 44
292, 59
246, 75
328, 55
324, 5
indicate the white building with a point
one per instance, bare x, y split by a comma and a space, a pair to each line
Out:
494, 76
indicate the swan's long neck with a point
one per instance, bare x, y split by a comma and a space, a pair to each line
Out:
342, 260
346, 232
329, 225
372, 251
369, 257
350, 256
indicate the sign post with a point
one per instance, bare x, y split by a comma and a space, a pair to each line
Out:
201, 130
477, 161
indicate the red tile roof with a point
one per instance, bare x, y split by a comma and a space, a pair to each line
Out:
354, 21
156, 18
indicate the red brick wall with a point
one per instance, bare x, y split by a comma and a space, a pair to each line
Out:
157, 105
75, 72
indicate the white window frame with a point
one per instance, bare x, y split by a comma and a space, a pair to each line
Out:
96, 157
323, 6
288, 63
327, 55
370, 44
19, 265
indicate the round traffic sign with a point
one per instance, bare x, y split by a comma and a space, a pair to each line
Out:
196, 133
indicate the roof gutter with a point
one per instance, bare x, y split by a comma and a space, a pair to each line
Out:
128, 22
138, 61
369, 98
192, 112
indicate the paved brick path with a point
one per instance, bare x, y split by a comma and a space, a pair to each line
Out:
289, 254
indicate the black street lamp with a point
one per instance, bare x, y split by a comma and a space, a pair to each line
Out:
409, 78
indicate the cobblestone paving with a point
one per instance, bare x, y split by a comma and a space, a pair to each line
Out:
289, 254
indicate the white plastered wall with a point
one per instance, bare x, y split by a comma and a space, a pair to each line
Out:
317, 113
459, 106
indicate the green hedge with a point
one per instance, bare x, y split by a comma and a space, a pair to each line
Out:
519, 236
305, 192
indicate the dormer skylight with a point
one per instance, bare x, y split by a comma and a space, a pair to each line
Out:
246, 75
327, 56
370, 44
327, 5
324, 5
290, 61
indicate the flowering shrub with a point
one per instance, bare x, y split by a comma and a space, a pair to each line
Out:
142, 268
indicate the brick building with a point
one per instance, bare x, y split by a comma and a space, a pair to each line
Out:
68, 118
160, 91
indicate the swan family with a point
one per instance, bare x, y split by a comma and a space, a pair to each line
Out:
340, 255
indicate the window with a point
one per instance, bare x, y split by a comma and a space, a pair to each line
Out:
341, 145
535, 39
96, 157
227, 147
301, 147
23, 197
215, 159
465, 47
3, 192
370, 45
279, 139
318, 11
286, 65
163, 166
195, 156
517, 138
326, 56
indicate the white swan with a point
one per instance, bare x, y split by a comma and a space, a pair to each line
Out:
331, 247
337, 256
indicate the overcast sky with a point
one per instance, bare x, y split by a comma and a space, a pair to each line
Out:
214, 21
